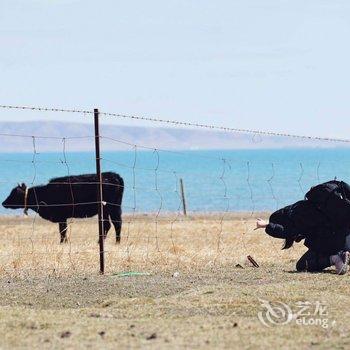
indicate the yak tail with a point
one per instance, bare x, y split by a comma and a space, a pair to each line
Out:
121, 184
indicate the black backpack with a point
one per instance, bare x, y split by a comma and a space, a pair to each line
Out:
332, 198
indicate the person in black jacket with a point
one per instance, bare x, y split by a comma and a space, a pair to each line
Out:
302, 220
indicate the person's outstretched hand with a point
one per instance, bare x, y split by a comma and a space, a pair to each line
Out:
260, 223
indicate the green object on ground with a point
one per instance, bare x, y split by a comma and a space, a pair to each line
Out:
131, 273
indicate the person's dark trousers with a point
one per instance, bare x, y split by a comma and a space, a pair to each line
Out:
313, 262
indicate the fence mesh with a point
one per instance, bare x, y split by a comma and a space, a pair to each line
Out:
225, 191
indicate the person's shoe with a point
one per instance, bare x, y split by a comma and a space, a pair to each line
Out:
341, 262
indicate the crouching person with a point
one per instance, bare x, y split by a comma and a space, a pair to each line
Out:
327, 247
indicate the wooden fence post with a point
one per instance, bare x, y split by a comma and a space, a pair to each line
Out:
182, 189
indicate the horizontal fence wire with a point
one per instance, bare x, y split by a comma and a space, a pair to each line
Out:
177, 123
225, 193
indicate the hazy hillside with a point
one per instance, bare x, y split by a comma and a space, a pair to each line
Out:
169, 138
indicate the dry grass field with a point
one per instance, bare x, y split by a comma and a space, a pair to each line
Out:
198, 290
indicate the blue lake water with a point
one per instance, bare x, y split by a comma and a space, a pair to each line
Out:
235, 180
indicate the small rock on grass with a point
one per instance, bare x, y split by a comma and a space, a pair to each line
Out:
66, 334
152, 336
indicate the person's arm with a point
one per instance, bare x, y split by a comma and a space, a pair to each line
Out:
270, 228
274, 230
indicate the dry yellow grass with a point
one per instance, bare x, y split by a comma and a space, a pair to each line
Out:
52, 296
29, 246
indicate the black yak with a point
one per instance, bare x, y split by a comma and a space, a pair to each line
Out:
72, 197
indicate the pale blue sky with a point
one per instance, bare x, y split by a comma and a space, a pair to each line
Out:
262, 64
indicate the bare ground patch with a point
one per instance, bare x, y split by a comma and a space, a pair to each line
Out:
196, 296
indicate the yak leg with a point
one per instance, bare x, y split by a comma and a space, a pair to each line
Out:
115, 213
63, 231
106, 225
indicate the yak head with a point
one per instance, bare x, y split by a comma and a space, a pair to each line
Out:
16, 199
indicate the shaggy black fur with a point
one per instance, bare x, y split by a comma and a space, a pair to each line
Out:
72, 197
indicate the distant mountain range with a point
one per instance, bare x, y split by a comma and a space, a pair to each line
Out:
116, 137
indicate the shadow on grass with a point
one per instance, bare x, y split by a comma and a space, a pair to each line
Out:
329, 272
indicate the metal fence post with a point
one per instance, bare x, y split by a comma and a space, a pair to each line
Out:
182, 189
99, 191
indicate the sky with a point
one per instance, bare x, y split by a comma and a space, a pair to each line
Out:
267, 65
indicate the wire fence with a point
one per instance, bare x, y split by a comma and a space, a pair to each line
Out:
207, 222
